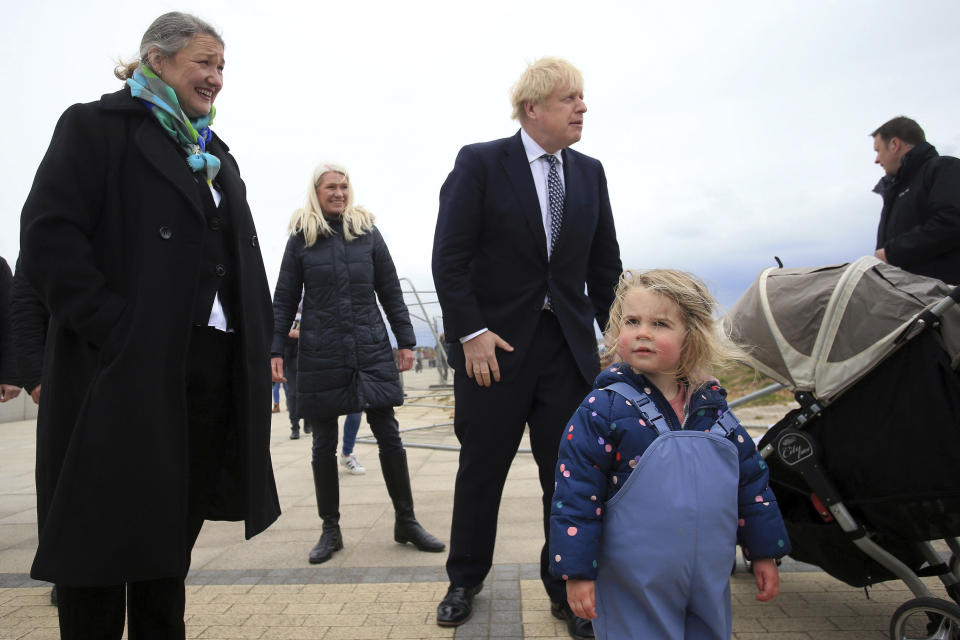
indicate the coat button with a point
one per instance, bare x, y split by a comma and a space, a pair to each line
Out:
253, 241
165, 233
220, 270
215, 223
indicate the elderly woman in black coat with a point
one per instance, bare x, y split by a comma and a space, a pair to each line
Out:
338, 258
155, 411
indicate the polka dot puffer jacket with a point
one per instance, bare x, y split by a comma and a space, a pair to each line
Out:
602, 443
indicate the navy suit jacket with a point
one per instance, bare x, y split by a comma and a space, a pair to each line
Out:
490, 262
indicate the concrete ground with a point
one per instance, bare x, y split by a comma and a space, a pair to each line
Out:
375, 588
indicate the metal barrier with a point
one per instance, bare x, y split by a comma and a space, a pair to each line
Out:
424, 311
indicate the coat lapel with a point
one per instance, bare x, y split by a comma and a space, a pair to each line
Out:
234, 194
168, 161
571, 203
517, 168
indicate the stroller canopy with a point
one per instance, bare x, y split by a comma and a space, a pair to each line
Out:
821, 329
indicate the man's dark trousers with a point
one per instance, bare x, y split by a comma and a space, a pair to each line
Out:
541, 388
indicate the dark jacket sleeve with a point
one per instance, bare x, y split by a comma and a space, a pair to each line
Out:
389, 293
286, 295
455, 242
8, 372
761, 531
59, 219
29, 320
940, 230
604, 268
576, 516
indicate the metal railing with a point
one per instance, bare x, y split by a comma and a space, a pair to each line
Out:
424, 311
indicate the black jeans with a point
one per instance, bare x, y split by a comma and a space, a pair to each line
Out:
154, 608
382, 423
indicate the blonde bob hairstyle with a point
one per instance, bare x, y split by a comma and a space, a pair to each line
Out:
310, 219
706, 348
540, 79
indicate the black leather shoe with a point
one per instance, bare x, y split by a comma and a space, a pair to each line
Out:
457, 606
294, 434
578, 628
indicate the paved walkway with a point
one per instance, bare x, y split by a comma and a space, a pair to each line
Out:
375, 588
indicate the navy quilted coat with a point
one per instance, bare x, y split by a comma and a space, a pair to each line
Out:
601, 446
345, 363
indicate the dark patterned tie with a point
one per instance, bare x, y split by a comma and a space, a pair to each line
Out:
555, 197
555, 201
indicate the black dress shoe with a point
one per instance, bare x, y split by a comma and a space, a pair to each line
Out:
457, 606
578, 628
294, 434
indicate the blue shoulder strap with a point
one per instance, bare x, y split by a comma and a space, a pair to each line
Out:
643, 403
724, 426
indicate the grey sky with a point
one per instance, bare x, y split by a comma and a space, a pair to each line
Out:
730, 132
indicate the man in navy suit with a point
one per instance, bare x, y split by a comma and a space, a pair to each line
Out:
525, 259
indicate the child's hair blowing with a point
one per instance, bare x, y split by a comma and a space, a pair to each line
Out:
706, 348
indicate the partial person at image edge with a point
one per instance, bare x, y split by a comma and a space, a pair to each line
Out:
919, 228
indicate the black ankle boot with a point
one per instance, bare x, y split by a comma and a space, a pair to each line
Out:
330, 541
406, 527
326, 483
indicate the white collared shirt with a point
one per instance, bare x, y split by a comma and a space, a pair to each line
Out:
540, 169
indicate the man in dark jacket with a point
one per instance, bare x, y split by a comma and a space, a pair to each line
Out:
919, 227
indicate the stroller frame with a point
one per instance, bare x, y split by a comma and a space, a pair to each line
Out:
800, 451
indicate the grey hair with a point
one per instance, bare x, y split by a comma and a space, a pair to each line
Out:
167, 35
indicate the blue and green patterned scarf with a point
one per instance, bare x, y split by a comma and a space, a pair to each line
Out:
191, 134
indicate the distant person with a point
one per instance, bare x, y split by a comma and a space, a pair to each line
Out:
656, 479
525, 260
291, 346
348, 459
276, 395
338, 259
442, 367
9, 378
155, 410
418, 367
919, 228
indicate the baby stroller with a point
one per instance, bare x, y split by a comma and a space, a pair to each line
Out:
867, 470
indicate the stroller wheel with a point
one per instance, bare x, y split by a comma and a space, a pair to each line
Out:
926, 619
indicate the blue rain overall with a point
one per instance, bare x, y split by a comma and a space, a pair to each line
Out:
669, 535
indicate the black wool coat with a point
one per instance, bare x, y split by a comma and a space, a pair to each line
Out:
345, 362
111, 237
